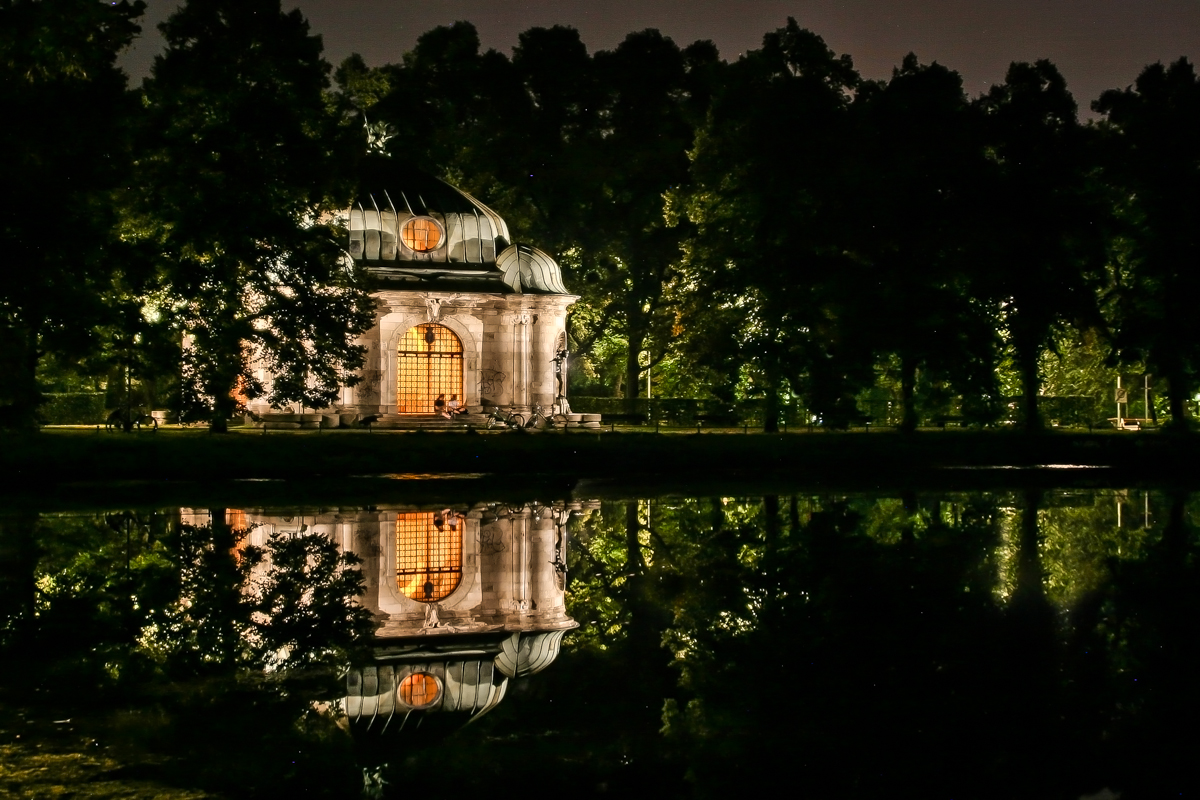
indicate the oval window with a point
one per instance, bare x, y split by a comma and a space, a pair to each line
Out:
421, 234
418, 690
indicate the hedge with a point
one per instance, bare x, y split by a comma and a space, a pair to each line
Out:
73, 408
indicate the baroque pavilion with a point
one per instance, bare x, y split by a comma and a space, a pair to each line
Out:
460, 309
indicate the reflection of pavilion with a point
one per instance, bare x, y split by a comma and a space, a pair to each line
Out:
465, 599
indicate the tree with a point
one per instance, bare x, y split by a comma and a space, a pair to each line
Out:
66, 152
1153, 158
577, 150
247, 166
1045, 251
767, 268
917, 168
640, 154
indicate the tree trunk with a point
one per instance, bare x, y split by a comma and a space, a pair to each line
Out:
771, 519
1028, 588
908, 390
771, 407
633, 374
21, 413
1177, 396
224, 405
1027, 358
19, 556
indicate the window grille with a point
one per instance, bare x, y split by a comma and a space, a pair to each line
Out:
419, 689
429, 363
421, 234
428, 555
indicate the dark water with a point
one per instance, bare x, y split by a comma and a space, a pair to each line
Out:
1008, 644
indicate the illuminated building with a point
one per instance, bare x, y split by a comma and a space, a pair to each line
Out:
460, 309
466, 599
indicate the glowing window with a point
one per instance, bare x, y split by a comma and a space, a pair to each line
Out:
429, 363
421, 234
419, 689
428, 555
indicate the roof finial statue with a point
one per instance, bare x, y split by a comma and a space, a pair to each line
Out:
377, 135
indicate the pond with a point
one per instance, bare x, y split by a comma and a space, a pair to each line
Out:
1025, 641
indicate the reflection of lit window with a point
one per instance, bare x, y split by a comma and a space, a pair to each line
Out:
428, 555
419, 689
421, 234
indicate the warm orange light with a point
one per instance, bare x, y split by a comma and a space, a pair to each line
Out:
421, 234
429, 363
428, 557
419, 689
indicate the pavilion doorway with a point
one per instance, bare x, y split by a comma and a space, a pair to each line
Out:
429, 363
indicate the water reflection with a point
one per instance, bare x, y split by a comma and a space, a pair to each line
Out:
1021, 643
463, 599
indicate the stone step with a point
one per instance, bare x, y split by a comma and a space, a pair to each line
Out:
428, 421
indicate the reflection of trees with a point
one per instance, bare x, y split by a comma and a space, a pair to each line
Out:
841, 641
1141, 627
954, 643
933, 644
132, 608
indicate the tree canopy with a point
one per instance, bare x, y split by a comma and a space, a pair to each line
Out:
772, 231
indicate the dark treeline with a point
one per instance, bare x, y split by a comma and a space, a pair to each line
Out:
777, 229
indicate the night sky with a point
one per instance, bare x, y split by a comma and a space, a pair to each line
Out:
1097, 44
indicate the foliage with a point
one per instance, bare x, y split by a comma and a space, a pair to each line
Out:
1153, 159
771, 230
66, 152
919, 165
243, 164
74, 408
768, 196
1045, 254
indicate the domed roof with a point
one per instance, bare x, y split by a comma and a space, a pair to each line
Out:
527, 269
455, 682
528, 653
409, 227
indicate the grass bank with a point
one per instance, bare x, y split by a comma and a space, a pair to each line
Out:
64, 455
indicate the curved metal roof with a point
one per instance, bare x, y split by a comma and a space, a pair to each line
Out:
473, 252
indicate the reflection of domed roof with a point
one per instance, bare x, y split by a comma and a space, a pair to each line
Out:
408, 226
528, 653
452, 682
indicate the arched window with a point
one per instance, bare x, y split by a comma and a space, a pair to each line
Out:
428, 555
429, 363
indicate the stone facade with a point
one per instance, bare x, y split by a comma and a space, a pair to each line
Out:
503, 616
513, 567
437, 255
509, 344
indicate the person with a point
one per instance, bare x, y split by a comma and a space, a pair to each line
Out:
439, 405
455, 407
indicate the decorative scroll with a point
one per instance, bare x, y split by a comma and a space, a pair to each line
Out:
518, 319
